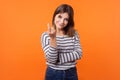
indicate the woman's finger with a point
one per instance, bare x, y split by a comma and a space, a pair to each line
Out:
49, 29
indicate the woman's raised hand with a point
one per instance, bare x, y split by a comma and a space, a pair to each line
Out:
51, 31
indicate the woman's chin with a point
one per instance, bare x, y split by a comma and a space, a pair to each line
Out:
60, 27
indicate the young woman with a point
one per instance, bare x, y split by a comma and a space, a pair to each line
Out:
61, 45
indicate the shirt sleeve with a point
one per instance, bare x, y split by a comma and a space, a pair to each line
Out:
50, 52
75, 54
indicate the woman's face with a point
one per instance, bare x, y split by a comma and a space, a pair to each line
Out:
61, 20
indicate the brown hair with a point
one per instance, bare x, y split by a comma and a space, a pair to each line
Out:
69, 29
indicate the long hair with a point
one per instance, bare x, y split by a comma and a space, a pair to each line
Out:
69, 29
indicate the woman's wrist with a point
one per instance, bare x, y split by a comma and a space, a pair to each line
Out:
53, 42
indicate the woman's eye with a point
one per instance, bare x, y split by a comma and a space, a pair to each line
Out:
66, 19
59, 16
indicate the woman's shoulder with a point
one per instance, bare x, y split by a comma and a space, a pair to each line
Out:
44, 34
76, 33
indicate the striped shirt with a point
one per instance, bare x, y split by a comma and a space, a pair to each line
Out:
66, 53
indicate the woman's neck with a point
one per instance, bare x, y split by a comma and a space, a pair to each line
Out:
60, 33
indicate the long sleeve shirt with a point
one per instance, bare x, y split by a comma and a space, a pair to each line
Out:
66, 53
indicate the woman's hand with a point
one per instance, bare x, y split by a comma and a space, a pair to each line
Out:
52, 34
51, 31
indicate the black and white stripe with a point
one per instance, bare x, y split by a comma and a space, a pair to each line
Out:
68, 50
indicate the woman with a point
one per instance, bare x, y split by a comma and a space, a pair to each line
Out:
61, 45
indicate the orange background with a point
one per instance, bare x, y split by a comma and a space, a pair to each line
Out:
23, 21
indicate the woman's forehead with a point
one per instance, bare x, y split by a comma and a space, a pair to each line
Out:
64, 14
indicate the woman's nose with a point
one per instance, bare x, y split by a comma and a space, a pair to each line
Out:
62, 20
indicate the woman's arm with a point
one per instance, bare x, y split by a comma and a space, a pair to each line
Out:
49, 48
49, 45
75, 55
